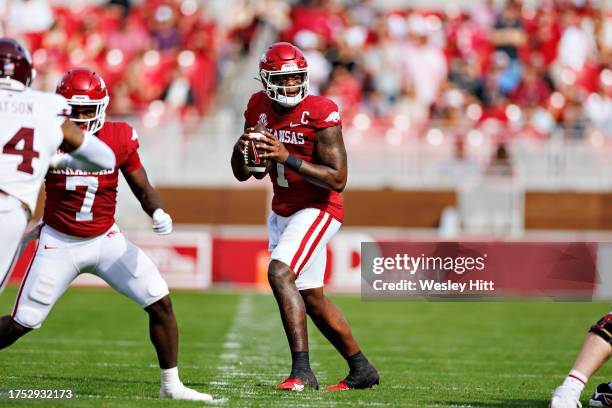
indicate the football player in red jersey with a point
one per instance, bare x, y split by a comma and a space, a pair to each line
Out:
304, 141
79, 235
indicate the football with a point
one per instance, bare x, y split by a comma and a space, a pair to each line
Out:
252, 156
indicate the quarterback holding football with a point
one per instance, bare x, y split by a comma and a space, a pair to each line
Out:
296, 139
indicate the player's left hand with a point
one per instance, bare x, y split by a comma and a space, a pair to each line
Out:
274, 148
162, 222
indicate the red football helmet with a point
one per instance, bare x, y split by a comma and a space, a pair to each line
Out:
83, 87
282, 60
16, 70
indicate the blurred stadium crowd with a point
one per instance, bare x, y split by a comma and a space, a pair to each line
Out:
158, 50
530, 68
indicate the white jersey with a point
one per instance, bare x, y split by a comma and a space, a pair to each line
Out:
29, 136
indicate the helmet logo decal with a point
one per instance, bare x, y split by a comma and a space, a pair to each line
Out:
333, 117
289, 67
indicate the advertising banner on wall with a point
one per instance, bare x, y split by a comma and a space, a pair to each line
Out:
183, 258
517, 269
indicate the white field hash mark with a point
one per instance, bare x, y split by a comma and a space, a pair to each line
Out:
230, 354
255, 356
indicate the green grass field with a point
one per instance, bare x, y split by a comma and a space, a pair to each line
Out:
429, 354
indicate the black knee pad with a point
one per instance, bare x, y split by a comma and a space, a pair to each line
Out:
603, 328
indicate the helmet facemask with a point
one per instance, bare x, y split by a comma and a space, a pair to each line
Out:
95, 123
286, 95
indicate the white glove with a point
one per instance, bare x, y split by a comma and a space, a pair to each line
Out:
162, 222
565, 397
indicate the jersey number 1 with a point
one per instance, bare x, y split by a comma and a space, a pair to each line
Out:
281, 180
26, 151
91, 183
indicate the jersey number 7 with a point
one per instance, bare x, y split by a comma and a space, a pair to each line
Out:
72, 182
26, 151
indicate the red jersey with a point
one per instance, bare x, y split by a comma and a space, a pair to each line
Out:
296, 129
81, 203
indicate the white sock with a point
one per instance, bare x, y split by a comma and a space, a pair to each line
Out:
170, 378
576, 381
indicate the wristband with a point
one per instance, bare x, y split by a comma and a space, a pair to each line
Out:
294, 163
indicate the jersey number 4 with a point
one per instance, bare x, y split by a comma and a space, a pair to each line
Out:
91, 183
26, 151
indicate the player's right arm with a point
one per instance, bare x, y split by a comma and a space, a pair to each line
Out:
239, 168
85, 151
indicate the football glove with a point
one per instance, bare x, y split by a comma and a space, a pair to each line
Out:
162, 222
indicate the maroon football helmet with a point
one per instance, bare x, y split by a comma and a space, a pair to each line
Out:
83, 87
281, 60
16, 69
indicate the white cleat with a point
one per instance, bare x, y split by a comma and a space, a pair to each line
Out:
565, 397
184, 393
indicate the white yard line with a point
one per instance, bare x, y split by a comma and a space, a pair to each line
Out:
229, 366
252, 350
229, 370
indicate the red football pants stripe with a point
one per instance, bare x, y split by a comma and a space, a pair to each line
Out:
314, 244
25, 277
309, 233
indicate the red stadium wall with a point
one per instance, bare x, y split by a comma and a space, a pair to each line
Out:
390, 208
544, 210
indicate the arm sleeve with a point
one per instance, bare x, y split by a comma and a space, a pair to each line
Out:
64, 161
94, 154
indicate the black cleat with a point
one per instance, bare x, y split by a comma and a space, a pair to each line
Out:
602, 397
298, 380
358, 379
